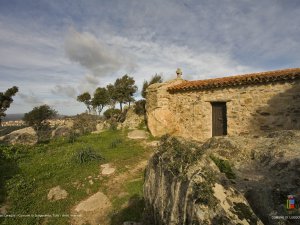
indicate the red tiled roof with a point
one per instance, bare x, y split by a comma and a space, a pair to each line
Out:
246, 79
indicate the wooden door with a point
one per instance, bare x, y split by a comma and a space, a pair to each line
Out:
219, 119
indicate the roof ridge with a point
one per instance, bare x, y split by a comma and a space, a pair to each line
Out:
250, 78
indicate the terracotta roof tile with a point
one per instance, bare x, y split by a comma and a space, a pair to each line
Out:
246, 79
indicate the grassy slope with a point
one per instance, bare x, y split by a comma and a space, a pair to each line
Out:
27, 181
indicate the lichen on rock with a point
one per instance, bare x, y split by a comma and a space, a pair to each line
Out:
188, 183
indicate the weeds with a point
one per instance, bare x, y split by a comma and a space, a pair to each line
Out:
115, 143
177, 155
73, 137
87, 154
203, 192
224, 167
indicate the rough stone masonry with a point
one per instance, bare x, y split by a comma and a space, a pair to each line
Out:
254, 104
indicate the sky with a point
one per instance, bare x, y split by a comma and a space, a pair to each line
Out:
55, 50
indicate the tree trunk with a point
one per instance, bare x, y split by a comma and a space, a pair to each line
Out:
100, 110
121, 107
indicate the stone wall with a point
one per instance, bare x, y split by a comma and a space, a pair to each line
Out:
251, 109
160, 115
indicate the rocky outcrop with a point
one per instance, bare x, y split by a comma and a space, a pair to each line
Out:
133, 121
61, 131
160, 119
93, 210
138, 134
57, 193
25, 136
226, 180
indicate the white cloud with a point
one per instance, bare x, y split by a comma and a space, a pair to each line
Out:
30, 99
108, 39
64, 90
99, 58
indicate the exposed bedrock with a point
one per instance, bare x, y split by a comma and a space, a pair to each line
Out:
226, 180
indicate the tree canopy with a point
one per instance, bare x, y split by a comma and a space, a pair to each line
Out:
111, 90
38, 115
155, 79
6, 100
121, 92
86, 99
100, 99
124, 89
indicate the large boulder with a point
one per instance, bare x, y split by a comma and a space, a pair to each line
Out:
133, 121
226, 180
160, 117
161, 121
138, 134
93, 210
61, 131
25, 136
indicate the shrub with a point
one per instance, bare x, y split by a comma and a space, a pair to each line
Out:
12, 152
38, 116
224, 167
112, 113
72, 137
139, 107
44, 133
85, 123
113, 125
178, 155
87, 154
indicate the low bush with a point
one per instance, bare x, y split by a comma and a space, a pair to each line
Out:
73, 137
12, 152
112, 113
85, 123
44, 133
87, 154
178, 155
224, 167
139, 107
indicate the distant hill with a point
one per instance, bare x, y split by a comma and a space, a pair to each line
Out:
10, 117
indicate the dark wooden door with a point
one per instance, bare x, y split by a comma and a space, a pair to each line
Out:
219, 118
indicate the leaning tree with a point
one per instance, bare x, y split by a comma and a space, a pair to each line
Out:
5, 101
86, 99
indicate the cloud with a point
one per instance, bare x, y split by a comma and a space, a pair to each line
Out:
93, 54
91, 79
30, 99
155, 57
64, 90
108, 39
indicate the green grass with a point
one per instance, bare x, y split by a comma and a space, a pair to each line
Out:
28, 173
134, 203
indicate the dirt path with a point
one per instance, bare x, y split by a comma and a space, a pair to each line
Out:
96, 208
